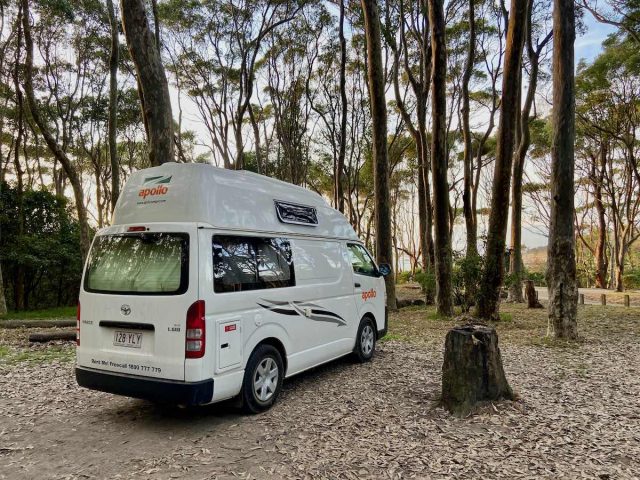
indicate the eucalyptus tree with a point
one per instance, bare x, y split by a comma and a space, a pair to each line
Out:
377, 100
58, 149
561, 263
152, 80
537, 39
492, 277
440, 160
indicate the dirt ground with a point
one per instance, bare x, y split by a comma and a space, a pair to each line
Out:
578, 414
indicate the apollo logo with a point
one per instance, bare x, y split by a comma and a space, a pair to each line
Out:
160, 190
369, 294
160, 187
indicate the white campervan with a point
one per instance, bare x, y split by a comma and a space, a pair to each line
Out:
212, 284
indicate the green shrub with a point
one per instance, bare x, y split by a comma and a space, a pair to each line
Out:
631, 279
427, 281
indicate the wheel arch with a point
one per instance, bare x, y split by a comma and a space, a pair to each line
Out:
278, 345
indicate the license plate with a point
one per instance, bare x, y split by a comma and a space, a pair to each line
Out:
127, 339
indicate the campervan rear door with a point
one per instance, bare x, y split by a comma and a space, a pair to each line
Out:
137, 289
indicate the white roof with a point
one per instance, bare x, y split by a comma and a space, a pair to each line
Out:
220, 198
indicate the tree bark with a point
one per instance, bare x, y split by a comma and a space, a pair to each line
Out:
113, 105
472, 371
472, 247
60, 155
3, 299
600, 255
378, 103
43, 337
339, 174
561, 263
493, 275
516, 265
439, 159
153, 84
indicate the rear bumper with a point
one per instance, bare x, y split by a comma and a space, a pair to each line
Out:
162, 391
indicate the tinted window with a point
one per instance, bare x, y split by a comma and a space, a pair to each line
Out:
296, 214
142, 263
251, 263
361, 260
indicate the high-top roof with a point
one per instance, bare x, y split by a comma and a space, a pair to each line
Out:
220, 198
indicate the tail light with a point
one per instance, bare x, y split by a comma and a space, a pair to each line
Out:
78, 325
196, 333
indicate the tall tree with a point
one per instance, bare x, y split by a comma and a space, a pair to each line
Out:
154, 89
492, 277
113, 104
375, 71
69, 169
561, 262
472, 247
339, 171
533, 53
439, 159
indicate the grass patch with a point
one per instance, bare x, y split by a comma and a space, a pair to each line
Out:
506, 317
49, 313
392, 336
63, 353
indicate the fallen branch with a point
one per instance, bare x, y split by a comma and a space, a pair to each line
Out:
37, 323
42, 337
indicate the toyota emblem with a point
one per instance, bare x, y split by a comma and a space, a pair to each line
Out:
125, 309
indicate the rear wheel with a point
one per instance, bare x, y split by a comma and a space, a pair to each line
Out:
365, 341
262, 379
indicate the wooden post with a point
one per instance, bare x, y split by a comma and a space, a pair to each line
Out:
581, 298
531, 295
603, 299
627, 301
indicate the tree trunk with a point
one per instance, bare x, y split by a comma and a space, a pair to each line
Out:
3, 299
59, 154
439, 160
472, 371
339, 174
381, 160
561, 262
600, 256
113, 105
472, 247
152, 81
532, 295
489, 295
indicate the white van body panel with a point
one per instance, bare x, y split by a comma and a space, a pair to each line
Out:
312, 321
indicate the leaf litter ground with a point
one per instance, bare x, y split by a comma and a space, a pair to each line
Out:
577, 416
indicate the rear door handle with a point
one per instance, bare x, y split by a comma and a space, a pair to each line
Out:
357, 285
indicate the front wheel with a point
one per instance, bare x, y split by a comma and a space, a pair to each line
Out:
262, 379
365, 341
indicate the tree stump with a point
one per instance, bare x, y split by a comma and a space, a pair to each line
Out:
472, 371
532, 295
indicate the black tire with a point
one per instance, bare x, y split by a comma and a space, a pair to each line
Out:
263, 356
365, 341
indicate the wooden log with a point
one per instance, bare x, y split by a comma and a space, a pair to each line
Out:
472, 371
581, 299
43, 337
627, 301
603, 299
531, 295
37, 323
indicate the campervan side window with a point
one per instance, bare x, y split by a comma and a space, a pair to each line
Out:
251, 263
361, 261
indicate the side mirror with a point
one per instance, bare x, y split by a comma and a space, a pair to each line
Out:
384, 269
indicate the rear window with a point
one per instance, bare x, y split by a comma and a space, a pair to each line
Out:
139, 264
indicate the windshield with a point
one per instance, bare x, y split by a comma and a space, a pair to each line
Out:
144, 263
